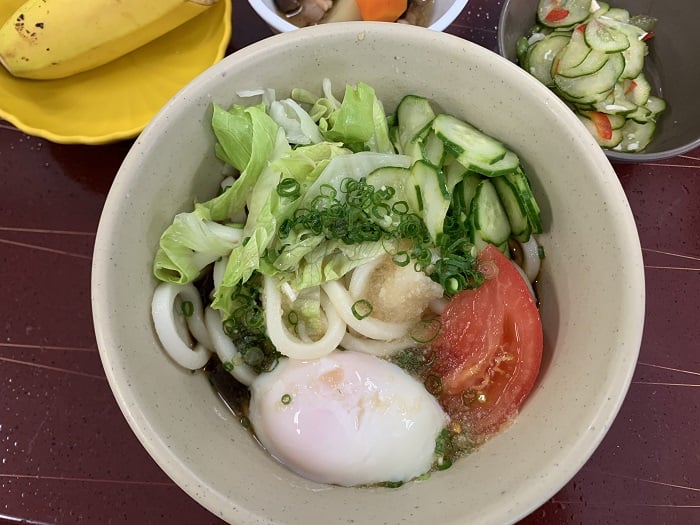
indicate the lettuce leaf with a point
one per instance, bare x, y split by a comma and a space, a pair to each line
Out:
190, 243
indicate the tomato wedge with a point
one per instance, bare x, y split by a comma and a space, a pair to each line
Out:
489, 349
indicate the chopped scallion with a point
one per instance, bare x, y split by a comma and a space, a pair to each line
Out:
361, 309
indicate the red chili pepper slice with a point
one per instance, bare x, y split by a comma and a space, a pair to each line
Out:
557, 14
602, 124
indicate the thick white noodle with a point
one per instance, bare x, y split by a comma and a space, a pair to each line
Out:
531, 258
526, 280
376, 348
360, 277
225, 348
219, 271
369, 326
166, 325
285, 342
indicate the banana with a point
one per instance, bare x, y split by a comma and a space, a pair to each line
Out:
47, 39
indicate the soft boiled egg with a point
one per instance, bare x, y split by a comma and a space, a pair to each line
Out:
347, 418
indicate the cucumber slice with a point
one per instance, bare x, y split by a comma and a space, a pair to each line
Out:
454, 173
602, 8
637, 90
641, 115
617, 121
541, 56
611, 142
573, 54
562, 13
463, 195
619, 14
634, 58
635, 136
433, 149
468, 144
397, 178
617, 103
519, 180
434, 196
656, 105
414, 115
591, 99
599, 82
489, 218
508, 163
514, 208
604, 37
594, 62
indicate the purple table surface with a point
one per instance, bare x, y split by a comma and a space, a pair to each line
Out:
68, 456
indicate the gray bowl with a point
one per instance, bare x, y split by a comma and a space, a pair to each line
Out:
671, 67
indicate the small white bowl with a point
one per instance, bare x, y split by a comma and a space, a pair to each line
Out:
445, 12
591, 287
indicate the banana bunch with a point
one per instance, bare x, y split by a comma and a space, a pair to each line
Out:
47, 39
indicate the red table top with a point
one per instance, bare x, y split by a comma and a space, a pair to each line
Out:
68, 456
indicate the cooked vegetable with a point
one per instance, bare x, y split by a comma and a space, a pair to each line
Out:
382, 10
304, 13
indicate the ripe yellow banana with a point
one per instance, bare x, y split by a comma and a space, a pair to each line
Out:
47, 39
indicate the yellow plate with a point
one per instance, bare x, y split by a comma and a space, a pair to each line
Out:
117, 100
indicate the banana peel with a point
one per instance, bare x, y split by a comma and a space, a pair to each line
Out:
49, 39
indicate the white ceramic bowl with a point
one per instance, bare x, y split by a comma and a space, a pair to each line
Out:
445, 12
592, 287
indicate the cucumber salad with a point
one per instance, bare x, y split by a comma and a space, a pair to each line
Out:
350, 273
592, 56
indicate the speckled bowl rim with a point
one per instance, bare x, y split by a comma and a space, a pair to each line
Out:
572, 455
615, 156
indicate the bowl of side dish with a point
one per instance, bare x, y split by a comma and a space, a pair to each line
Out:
589, 289
287, 15
663, 74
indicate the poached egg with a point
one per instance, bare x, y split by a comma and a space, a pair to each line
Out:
347, 418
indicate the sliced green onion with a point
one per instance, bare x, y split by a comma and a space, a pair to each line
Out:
229, 326
187, 308
361, 309
254, 318
286, 399
289, 188
228, 366
433, 384
253, 356
426, 330
381, 210
401, 258
472, 396
444, 464
293, 318
400, 208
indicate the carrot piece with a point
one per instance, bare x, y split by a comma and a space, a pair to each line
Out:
382, 10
